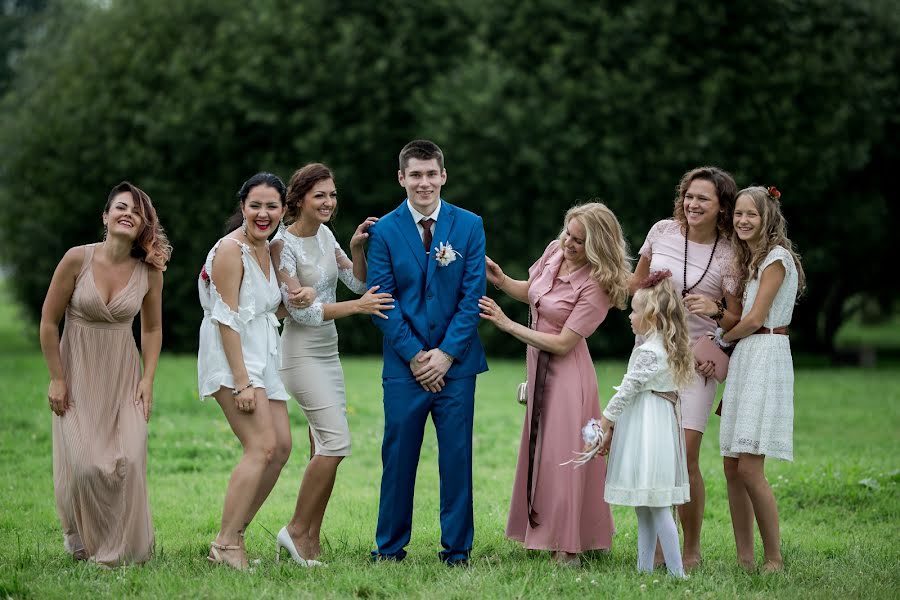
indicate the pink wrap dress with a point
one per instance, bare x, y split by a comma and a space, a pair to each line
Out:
571, 513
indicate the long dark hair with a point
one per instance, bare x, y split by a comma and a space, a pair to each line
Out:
262, 178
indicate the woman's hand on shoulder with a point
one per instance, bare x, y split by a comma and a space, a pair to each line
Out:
358, 241
495, 274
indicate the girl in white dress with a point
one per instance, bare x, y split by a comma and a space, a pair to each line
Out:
307, 254
758, 403
643, 434
237, 363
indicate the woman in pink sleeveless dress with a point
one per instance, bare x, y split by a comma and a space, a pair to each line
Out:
695, 244
569, 291
100, 398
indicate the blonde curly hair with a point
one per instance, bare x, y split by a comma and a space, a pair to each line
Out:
605, 247
660, 308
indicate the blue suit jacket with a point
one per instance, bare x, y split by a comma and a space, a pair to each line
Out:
434, 306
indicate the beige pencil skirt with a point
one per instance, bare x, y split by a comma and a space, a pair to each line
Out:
311, 371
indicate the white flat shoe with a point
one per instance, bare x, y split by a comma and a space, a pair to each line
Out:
284, 541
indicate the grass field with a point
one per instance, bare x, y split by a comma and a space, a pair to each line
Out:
839, 501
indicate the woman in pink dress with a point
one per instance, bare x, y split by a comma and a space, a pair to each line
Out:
569, 291
696, 246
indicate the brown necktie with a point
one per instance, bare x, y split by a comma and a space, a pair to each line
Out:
426, 233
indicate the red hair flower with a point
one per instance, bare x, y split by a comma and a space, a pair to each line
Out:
654, 278
774, 194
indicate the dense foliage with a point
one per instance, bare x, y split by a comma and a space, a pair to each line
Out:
537, 105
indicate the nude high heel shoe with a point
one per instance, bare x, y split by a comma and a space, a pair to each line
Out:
284, 541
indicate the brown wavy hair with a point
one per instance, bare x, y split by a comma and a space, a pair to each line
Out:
151, 245
661, 309
726, 191
773, 232
301, 182
605, 247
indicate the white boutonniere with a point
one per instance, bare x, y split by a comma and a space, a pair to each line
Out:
445, 254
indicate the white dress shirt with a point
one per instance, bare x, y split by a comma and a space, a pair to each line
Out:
417, 217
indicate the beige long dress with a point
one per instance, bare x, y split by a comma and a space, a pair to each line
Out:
100, 443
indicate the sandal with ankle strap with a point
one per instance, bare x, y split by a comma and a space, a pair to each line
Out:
217, 556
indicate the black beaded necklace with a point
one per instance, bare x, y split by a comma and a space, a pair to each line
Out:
686, 289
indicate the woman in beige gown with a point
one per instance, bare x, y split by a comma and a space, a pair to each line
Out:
99, 397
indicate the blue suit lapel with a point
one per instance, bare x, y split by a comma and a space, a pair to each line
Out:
441, 234
411, 234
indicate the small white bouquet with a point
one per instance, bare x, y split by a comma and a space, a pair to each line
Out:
593, 437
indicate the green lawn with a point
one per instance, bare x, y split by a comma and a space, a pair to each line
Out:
840, 536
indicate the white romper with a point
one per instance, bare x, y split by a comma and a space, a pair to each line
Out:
255, 321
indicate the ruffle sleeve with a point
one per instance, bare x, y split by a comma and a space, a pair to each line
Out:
219, 311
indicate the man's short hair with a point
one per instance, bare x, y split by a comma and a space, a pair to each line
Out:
422, 150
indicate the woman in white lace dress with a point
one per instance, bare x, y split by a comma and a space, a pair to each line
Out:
237, 361
308, 255
758, 404
647, 461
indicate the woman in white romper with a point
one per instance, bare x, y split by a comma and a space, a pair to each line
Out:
307, 254
758, 403
237, 363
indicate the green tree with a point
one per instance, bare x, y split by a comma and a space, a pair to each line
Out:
537, 104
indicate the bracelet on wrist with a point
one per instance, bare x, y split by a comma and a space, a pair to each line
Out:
502, 281
720, 311
721, 343
238, 392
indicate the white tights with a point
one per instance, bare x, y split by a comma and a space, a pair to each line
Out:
653, 522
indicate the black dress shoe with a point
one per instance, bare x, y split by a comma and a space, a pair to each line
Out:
463, 563
376, 557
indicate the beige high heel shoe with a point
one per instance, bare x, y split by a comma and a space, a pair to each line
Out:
230, 556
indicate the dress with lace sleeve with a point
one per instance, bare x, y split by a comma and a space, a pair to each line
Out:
643, 367
317, 262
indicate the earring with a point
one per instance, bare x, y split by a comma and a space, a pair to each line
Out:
105, 231
281, 224
244, 226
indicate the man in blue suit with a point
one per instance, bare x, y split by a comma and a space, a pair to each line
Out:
429, 255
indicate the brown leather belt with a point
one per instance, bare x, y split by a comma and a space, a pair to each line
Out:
775, 330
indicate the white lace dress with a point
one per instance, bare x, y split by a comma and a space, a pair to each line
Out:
647, 465
758, 403
310, 365
254, 320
